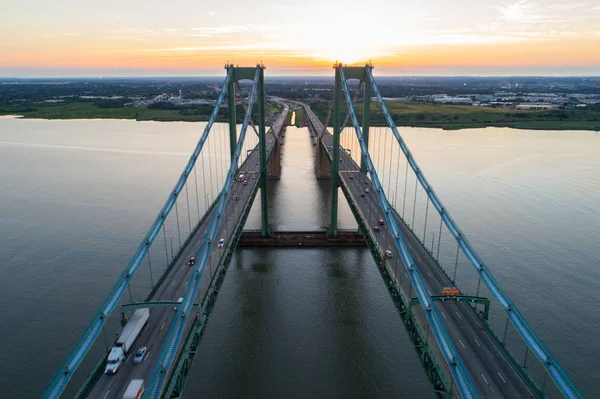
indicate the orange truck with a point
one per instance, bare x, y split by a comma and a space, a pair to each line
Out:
450, 291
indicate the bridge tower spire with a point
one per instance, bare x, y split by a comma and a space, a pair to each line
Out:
366, 115
263, 153
247, 73
335, 162
232, 115
361, 74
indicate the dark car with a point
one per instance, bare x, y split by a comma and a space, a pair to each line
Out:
192, 261
245, 183
366, 182
376, 229
362, 194
381, 222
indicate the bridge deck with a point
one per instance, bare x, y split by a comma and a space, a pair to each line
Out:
491, 373
174, 285
301, 239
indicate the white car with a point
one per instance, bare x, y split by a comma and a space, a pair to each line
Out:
389, 254
221, 243
179, 300
139, 355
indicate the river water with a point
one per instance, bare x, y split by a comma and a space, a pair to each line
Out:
77, 197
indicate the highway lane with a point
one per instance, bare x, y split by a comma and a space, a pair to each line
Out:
492, 375
175, 284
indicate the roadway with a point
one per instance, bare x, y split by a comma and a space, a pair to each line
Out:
175, 284
491, 373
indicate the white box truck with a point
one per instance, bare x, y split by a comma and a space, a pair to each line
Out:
126, 339
135, 390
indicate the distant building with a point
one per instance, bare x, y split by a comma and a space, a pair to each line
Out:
454, 100
538, 106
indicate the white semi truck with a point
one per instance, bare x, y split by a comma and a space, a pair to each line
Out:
125, 341
135, 390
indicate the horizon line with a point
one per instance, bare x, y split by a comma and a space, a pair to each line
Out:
288, 76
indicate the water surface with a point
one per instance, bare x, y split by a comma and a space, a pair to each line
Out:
77, 197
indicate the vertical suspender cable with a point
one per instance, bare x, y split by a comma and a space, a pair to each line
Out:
178, 230
414, 205
187, 201
405, 186
397, 175
197, 199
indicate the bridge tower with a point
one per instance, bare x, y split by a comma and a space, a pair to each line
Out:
247, 73
361, 74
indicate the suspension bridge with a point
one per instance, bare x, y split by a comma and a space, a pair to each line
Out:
474, 343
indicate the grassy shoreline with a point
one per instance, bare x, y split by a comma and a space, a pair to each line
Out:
447, 117
454, 117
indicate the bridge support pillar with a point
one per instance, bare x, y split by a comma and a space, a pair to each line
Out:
335, 162
274, 167
263, 153
322, 164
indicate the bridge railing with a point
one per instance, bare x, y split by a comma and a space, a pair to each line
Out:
412, 202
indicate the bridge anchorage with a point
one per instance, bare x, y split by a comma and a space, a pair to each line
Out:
455, 336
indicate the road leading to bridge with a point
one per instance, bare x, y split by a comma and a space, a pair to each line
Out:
175, 284
491, 373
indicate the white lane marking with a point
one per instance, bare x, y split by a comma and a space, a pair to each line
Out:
186, 283
463, 345
477, 342
126, 360
488, 384
107, 392
482, 376
458, 315
430, 275
503, 380
173, 284
443, 314
163, 326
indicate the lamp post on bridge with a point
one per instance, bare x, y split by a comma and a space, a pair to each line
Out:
172, 254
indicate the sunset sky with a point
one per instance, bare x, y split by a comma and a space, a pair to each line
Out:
185, 37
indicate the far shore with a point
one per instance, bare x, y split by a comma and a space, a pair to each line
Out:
446, 117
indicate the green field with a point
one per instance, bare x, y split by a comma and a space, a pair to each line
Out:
86, 110
452, 117
404, 114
